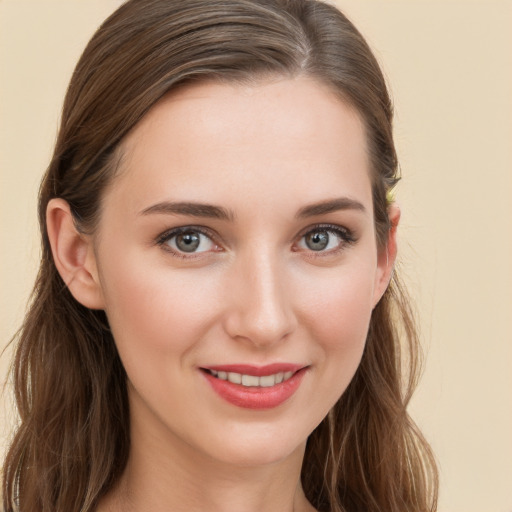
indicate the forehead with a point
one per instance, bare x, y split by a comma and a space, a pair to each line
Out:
216, 139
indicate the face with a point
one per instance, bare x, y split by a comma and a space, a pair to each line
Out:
238, 266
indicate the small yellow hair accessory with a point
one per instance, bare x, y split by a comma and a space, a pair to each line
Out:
390, 196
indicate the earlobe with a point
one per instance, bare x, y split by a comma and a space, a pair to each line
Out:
387, 256
73, 255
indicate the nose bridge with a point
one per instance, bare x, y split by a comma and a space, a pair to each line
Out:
261, 309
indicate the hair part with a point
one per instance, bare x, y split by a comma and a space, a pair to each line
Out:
73, 440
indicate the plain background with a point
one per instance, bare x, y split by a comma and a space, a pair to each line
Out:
449, 65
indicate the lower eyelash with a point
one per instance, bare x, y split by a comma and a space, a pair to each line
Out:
162, 240
344, 234
347, 238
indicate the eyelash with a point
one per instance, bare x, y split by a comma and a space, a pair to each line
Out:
166, 236
345, 235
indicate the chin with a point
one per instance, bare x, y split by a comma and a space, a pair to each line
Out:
259, 456
262, 447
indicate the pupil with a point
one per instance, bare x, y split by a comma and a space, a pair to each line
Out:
187, 242
317, 241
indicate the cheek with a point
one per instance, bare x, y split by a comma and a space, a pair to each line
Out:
337, 319
339, 306
342, 338
154, 311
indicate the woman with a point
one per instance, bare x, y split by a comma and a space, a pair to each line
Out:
215, 322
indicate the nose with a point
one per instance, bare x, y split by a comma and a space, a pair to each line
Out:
260, 310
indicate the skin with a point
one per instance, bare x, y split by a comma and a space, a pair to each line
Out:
253, 293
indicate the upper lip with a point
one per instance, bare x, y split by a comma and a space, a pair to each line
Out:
257, 371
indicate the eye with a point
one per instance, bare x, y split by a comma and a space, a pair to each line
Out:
326, 239
187, 240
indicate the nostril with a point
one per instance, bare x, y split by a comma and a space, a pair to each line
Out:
259, 310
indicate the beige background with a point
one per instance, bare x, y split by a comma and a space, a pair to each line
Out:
449, 65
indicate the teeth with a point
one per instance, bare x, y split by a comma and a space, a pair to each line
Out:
235, 378
250, 380
265, 381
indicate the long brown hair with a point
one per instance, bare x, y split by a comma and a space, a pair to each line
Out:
73, 439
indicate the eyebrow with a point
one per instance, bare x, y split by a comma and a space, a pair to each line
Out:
332, 205
189, 208
217, 212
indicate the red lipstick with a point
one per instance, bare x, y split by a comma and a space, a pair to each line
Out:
259, 371
255, 387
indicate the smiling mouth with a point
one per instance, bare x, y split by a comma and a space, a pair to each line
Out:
264, 381
255, 387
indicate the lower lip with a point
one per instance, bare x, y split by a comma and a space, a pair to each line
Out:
256, 397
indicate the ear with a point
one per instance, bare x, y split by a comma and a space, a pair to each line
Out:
387, 256
73, 255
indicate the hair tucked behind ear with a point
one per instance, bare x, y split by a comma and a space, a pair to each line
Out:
73, 438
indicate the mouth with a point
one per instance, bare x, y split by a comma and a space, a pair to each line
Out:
248, 381
255, 387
